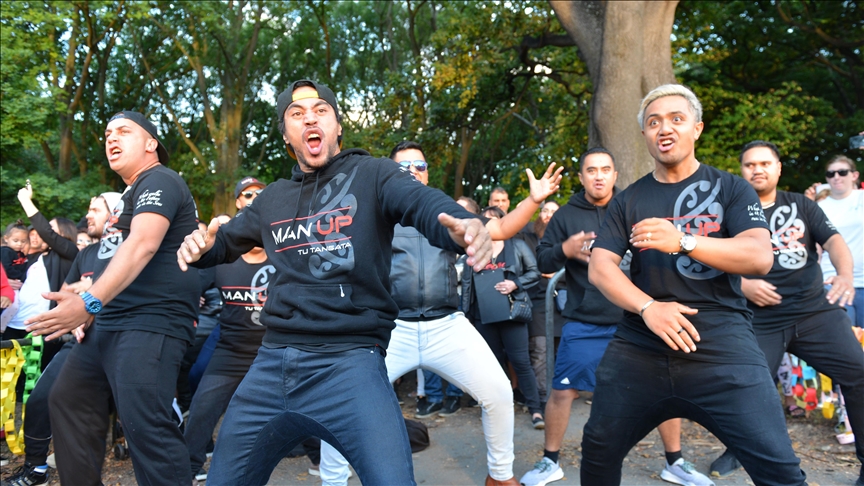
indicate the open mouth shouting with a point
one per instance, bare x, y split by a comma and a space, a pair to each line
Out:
665, 144
114, 153
313, 140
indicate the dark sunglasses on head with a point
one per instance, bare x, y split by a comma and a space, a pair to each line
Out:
420, 165
842, 172
249, 194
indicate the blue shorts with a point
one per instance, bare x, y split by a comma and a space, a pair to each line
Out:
582, 345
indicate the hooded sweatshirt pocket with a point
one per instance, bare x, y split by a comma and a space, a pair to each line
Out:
330, 307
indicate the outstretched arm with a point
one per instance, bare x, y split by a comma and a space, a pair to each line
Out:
513, 222
145, 236
471, 235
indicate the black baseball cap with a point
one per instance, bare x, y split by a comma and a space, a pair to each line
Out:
246, 182
148, 127
287, 97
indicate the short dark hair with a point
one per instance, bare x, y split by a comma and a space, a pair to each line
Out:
498, 189
756, 144
494, 210
471, 205
592, 151
406, 145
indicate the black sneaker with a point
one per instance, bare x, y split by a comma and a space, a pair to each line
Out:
425, 408
724, 465
451, 406
201, 475
472, 403
210, 447
27, 475
4, 461
538, 423
519, 397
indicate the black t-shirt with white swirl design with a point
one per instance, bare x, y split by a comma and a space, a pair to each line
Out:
709, 203
162, 299
797, 224
243, 287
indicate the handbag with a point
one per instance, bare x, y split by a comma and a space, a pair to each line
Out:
520, 307
520, 303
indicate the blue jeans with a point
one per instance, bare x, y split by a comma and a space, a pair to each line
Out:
288, 395
434, 392
637, 390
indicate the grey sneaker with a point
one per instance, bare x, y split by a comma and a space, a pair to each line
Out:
545, 471
684, 473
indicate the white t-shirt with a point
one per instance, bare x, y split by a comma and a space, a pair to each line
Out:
30, 301
847, 214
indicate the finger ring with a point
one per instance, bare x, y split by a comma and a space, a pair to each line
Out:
680, 330
649, 235
847, 293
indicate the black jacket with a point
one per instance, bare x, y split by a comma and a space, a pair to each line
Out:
522, 271
423, 277
329, 235
584, 302
58, 260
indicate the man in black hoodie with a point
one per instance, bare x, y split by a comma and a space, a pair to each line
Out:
328, 231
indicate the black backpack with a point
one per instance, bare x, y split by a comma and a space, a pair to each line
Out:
418, 435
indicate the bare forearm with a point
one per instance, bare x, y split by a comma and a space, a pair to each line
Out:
507, 227
840, 256
741, 255
611, 281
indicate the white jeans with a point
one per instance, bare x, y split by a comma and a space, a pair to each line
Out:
452, 348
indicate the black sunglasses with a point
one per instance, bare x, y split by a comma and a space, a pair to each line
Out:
420, 165
249, 194
842, 172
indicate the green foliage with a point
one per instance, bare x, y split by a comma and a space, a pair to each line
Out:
469, 78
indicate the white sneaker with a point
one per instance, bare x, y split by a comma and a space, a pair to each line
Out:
52, 463
545, 471
684, 473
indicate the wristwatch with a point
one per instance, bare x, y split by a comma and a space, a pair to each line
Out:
92, 304
687, 243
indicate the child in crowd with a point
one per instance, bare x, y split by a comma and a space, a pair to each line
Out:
12, 253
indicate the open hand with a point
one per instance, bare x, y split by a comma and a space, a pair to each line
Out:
657, 234
470, 234
546, 185
666, 319
760, 292
578, 246
69, 314
842, 290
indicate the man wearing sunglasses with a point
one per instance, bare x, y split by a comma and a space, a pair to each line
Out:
247, 190
431, 333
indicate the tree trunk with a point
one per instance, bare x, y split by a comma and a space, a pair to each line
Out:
467, 138
627, 48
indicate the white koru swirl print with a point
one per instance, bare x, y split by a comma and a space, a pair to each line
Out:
787, 229
698, 212
260, 283
111, 237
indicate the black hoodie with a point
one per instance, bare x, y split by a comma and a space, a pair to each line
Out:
584, 302
329, 234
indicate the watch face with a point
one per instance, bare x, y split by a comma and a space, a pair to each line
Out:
688, 242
